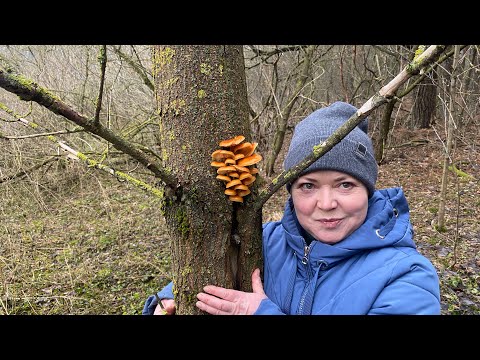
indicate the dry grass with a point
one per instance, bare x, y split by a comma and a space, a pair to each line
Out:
83, 244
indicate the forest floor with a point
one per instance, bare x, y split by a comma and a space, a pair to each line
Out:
83, 243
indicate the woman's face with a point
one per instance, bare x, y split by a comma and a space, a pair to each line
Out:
330, 205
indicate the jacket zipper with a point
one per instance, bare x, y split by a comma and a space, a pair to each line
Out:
306, 250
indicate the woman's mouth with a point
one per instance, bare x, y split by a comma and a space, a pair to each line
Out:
330, 223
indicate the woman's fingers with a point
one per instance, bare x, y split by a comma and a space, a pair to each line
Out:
257, 285
214, 305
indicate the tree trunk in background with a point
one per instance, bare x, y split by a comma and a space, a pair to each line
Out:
201, 100
425, 103
468, 86
450, 125
384, 130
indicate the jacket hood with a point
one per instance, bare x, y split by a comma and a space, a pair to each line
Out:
387, 224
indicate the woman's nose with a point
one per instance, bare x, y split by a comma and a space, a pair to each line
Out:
326, 199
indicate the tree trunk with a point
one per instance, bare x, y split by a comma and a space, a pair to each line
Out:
202, 99
447, 161
424, 106
384, 131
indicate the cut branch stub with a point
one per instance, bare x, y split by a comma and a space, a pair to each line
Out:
235, 162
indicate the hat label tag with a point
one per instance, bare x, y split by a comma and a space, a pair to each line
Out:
361, 149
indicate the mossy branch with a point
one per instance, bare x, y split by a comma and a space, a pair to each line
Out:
121, 176
77, 155
460, 173
29, 91
429, 56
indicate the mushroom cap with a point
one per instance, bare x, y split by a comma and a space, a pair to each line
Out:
243, 193
240, 187
242, 169
244, 176
230, 161
233, 141
230, 192
225, 170
250, 160
239, 156
224, 178
220, 155
246, 148
249, 181
254, 146
234, 174
233, 183
236, 198
254, 171
218, 163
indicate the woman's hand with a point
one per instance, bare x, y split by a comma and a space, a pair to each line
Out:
165, 307
217, 300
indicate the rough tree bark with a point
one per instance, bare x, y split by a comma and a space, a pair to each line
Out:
202, 99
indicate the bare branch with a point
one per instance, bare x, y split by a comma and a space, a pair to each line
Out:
31, 136
29, 91
28, 171
120, 175
77, 155
427, 71
267, 54
102, 57
140, 70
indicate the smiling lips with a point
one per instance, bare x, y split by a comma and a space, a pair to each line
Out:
329, 223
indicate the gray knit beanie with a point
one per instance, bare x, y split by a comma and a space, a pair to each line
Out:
353, 155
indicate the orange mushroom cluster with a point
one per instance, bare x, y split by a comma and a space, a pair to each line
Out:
235, 166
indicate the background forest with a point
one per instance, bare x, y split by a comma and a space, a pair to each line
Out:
77, 238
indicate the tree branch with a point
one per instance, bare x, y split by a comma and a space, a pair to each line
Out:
427, 71
102, 57
31, 136
120, 175
266, 54
77, 155
139, 69
28, 171
30, 91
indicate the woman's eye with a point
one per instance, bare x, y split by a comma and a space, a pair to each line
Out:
346, 185
307, 186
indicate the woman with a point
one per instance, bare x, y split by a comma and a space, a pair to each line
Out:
342, 247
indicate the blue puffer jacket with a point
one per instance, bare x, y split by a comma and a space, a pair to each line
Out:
375, 270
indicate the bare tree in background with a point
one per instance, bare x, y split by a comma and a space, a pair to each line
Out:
451, 116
